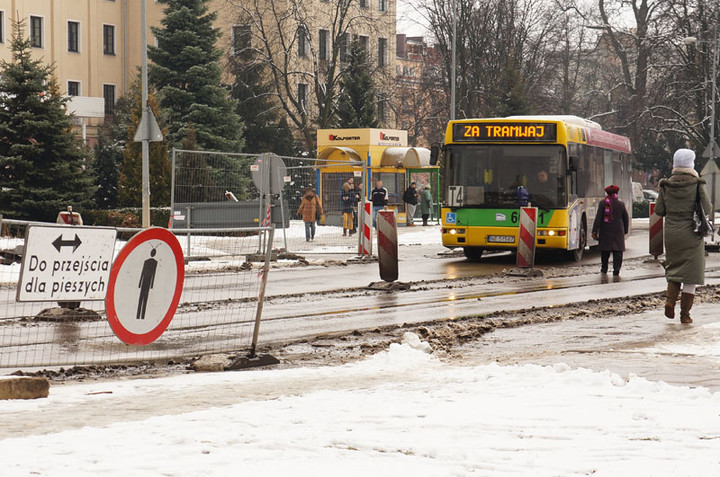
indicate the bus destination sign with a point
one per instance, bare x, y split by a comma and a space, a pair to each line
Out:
504, 132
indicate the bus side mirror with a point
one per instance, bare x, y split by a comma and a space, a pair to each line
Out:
434, 154
573, 164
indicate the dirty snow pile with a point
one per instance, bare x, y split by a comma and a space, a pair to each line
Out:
400, 412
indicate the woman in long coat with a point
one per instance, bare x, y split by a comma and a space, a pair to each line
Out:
684, 249
426, 204
310, 208
609, 229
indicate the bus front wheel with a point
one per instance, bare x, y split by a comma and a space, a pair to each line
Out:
473, 253
577, 254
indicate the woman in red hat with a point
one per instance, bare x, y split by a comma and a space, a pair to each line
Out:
609, 229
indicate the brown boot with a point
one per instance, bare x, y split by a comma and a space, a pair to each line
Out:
673, 290
686, 303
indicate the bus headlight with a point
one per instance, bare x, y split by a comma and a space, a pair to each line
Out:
452, 231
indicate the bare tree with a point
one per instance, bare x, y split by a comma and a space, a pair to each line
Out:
303, 44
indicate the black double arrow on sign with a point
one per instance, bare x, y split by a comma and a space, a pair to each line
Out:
59, 243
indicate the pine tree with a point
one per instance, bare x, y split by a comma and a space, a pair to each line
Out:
356, 102
108, 155
42, 161
187, 75
264, 130
130, 177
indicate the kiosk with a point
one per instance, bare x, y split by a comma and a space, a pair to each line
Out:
388, 158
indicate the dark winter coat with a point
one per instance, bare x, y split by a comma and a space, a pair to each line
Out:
348, 199
310, 207
411, 196
611, 235
379, 197
684, 249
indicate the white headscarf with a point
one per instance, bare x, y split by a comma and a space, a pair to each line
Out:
684, 158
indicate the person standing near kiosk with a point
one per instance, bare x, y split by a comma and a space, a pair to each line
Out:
411, 199
379, 199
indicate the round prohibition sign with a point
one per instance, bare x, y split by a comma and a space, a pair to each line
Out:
146, 281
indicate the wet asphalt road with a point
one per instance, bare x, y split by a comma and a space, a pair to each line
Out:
454, 288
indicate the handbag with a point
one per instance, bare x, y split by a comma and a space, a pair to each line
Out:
701, 224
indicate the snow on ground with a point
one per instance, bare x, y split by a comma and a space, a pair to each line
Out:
400, 412
703, 340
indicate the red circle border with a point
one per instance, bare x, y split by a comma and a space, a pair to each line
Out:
126, 336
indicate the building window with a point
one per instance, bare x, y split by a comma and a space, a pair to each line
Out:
2, 26
36, 33
382, 5
302, 41
344, 46
73, 88
382, 52
240, 38
302, 96
364, 42
323, 47
109, 39
364, 4
73, 37
109, 95
381, 108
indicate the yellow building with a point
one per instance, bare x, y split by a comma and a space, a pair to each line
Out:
95, 46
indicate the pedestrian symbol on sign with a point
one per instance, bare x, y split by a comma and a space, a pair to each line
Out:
147, 280
451, 218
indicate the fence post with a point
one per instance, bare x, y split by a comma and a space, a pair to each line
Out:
261, 294
187, 226
172, 190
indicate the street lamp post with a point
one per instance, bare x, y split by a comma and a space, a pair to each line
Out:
453, 79
712, 149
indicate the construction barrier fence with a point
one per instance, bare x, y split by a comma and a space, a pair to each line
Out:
217, 310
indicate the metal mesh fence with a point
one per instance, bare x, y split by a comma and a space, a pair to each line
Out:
216, 190
217, 309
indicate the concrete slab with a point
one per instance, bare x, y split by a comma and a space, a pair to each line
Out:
23, 387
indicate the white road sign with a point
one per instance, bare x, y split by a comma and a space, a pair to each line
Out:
62, 263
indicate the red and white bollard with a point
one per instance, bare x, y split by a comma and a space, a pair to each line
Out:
656, 233
267, 220
526, 237
365, 245
387, 245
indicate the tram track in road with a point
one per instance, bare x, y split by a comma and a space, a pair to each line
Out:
449, 303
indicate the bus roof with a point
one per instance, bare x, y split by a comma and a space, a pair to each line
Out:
593, 133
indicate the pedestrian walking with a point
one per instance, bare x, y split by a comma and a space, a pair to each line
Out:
609, 229
426, 204
684, 248
358, 194
348, 203
411, 199
379, 198
310, 209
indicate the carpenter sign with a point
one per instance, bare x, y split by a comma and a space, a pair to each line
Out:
145, 286
65, 263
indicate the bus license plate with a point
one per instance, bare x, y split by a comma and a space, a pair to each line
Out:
501, 238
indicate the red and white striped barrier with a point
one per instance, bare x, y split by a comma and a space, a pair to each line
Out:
387, 245
656, 233
365, 246
267, 220
526, 237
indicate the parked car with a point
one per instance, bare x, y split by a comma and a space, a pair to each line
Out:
649, 195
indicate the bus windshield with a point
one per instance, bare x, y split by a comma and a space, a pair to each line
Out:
492, 175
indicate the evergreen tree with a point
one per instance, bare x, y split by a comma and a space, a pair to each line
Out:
130, 177
42, 161
108, 155
264, 132
356, 102
187, 75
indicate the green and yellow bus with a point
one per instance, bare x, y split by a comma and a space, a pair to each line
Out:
560, 164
